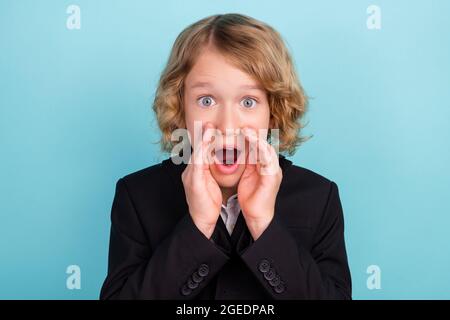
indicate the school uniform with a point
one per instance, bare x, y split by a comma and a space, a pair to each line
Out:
157, 252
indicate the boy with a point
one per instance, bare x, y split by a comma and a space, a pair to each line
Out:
226, 224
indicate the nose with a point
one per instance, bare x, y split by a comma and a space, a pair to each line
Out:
228, 121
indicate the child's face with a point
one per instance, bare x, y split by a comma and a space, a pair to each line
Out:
219, 93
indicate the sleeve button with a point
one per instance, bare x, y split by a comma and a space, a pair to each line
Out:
275, 281
192, 284
269, 275
203, 270
196, 277
279, 288
185, 291
264, 266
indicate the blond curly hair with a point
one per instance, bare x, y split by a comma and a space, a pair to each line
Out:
252, 46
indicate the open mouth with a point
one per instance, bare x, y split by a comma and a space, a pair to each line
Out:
227, 156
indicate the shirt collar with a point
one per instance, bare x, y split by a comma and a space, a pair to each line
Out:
231, 201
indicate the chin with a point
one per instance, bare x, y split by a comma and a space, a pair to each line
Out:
227, 180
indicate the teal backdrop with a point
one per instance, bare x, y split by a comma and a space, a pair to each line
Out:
75, 115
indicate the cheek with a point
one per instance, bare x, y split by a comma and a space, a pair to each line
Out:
266, 114
259, 119
195, 113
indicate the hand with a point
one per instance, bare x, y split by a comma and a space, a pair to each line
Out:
259, 184
203, 194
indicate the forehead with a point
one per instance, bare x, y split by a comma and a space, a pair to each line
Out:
212, 69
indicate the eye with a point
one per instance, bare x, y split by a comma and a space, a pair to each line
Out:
206, 101
249, 102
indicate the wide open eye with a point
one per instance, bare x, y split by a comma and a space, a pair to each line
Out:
206, 101
249, 103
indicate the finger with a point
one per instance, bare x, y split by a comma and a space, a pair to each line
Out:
265, 158
217, 146
196, 152
208, 144
266, 155
201, 146
250, 136
259, 147
269, 159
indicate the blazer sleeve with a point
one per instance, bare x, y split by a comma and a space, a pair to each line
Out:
178, 268
288, 271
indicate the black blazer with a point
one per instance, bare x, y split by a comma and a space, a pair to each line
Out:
157, 252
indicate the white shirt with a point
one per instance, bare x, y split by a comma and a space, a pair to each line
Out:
230, 212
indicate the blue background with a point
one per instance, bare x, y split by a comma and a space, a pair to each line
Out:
75, 115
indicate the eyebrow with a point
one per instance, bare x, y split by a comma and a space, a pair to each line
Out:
208, 85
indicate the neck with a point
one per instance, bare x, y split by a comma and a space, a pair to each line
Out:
227, 193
